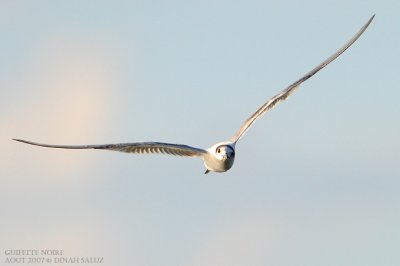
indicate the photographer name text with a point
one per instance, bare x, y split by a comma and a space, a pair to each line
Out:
46, 256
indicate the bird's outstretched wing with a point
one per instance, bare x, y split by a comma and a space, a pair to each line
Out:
138, 147
283, 95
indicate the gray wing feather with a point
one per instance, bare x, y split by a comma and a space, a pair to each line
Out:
283, 95
138, 147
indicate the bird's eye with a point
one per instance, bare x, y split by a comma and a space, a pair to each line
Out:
218, 150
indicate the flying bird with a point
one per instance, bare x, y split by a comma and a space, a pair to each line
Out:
220, 156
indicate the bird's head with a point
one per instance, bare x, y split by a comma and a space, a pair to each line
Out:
224, 152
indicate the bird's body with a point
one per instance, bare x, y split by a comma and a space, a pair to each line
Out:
220, 156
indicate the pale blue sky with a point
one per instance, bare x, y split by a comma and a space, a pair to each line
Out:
316, 181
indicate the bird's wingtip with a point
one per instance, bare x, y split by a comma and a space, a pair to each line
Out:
373, 16
24, 141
